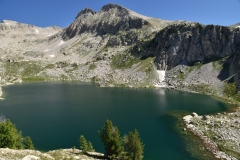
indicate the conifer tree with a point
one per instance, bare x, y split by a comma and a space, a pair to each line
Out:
9, 136
134, 146
110, 136
90, 147
27, 143
83, 143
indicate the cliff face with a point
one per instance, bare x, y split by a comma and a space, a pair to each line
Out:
192, 42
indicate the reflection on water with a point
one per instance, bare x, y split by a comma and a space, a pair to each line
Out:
56, 114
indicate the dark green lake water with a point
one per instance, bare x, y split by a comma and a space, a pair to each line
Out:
54, 115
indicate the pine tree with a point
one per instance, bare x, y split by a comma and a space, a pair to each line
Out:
111, 139
83, 143
90, 147
134, 146
9, 136
28, 144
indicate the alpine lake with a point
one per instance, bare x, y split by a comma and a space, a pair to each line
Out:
55, 114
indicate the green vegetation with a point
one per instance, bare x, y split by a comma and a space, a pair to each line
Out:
78, 42
33, 79
202, 88
217, 65
191, 68
230, 91
27, 143
92, 66
111, 139
85, 145
183, 74
134, 146
10, 137
124, 61
114, 143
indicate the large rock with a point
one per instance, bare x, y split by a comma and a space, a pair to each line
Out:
31, 157
187, 119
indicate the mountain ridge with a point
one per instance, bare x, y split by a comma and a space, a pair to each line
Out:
132, 47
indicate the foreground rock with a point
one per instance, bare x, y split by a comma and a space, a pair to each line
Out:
217, 131
10, 154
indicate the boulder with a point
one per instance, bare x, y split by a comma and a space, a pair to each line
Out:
187, 118
31, 157
194, 114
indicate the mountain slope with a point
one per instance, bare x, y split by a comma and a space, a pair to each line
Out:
111, 19
118, 47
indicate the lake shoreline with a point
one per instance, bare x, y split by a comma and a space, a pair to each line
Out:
187, 92
201, 127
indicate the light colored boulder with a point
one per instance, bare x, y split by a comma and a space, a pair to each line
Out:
194, 114
187, 118
30, 157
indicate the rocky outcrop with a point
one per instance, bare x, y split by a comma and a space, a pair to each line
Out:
74, 154
192, 42
110, 19
216, 131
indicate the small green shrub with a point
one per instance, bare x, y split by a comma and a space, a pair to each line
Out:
230, 89
92, 66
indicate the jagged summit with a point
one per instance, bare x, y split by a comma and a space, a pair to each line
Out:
111, 19
85, 11
110, 6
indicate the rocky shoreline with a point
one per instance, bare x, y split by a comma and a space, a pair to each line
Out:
219, 133
11, 154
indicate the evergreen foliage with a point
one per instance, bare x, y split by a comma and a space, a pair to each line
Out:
9, 136
134, 146
85, 145
27, 143
112, 141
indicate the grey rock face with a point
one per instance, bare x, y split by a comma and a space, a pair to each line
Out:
111, 19
191, 43
194, 43
235, 25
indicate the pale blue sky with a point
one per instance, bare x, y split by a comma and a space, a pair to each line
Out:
62, 12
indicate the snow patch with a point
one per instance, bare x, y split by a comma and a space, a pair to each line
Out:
52, 55
46, 50
161, 75
36, 30
61, 43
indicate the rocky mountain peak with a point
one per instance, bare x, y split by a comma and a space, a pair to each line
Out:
110, 19
85, 11
110, 6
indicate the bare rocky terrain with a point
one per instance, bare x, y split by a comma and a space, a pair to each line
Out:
220, 133
71, 154
116, 47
